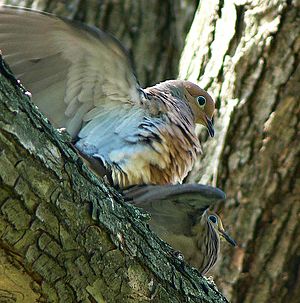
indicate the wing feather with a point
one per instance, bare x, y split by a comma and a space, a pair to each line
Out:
75, 63
174, 208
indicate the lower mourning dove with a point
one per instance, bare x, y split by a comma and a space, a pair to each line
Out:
180, 216
82, 80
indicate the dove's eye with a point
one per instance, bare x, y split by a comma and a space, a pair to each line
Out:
213, 218
201, 101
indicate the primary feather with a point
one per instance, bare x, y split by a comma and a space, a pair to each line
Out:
82, 80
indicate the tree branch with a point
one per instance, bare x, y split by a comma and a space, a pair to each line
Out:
65, 235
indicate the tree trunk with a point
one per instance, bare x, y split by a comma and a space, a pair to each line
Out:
247, 54
67, 237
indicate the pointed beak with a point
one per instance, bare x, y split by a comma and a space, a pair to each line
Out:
227, 238
210, 126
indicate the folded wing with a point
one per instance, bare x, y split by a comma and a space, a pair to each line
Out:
174, 208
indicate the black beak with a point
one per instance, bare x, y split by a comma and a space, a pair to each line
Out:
228, 238
210, 126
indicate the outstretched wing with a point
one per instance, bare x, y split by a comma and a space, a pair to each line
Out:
174, 208
75, 73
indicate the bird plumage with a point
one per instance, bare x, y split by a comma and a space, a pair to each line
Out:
82, 80
180, 216
157, 139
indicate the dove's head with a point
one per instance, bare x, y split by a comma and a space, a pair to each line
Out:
202, 105
200, 102
214, 222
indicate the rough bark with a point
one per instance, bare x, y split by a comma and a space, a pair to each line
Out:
66, 236
247, 54
153, 31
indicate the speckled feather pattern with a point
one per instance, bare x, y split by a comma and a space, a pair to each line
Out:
160, 149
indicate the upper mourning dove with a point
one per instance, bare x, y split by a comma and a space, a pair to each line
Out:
180, 216
82, 80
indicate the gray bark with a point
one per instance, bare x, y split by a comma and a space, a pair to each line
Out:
247, 54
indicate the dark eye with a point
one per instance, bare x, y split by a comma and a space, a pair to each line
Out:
201, 100
213, 218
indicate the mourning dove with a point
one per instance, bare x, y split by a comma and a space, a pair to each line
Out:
82, 80
180, 216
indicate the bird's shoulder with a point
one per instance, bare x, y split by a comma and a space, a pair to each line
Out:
160, 102
153, 104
